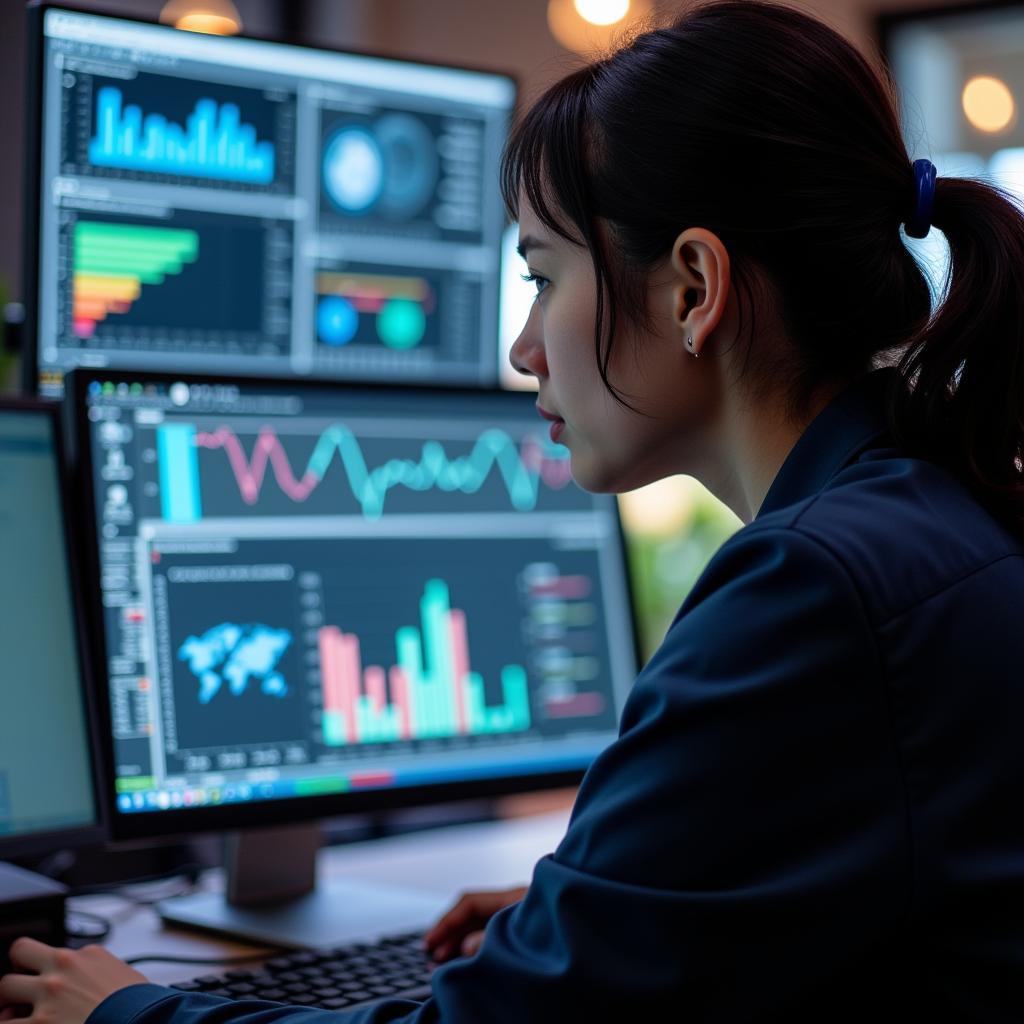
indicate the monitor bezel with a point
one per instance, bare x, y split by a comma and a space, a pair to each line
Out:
294, 810
35, 21
27, 844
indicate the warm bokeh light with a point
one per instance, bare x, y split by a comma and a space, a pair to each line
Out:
660, 509
988, 103
602, 12
213, 17
211, 24
591, 27
673, 528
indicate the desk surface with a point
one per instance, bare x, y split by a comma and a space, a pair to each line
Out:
446, 861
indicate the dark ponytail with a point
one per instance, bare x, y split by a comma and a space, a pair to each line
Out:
767, 127
963, 374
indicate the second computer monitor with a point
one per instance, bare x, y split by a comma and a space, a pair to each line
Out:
317, 598
47, 787
244, 207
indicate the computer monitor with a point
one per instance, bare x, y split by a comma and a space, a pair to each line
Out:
319, 598
48, 797
237, 206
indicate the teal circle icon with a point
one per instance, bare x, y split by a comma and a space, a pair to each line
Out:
401, 323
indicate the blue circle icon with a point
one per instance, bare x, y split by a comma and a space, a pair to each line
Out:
353, 169
411, 164
336, 321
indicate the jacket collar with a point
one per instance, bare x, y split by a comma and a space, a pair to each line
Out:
835, 437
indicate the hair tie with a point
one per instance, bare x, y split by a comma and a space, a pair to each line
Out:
924, 179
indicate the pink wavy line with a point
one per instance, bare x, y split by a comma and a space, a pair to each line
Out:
250, 474
556, 473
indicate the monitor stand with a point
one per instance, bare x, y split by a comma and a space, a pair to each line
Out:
272, 897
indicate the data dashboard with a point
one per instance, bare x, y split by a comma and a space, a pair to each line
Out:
238, 206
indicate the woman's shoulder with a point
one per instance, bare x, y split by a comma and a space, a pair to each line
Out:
902, 529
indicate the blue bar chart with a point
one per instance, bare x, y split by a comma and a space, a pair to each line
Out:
214, 143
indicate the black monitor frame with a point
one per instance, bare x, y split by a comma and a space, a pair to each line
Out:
33, 156
295, 810
79, 835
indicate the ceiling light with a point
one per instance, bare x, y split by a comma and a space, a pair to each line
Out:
593, 26
214, 17
602, 12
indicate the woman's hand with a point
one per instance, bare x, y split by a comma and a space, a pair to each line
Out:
67, 984
461, 930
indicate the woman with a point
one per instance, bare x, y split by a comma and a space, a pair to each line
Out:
812, 810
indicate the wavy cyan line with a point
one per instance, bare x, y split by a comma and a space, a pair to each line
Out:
522, 472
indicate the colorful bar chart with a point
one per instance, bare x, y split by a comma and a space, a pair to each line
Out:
434, 692
213, 144
112, 262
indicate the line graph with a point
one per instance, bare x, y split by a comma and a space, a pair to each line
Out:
523, 468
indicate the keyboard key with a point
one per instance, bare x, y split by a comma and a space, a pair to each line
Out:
209, 981
275, 995
359, 996
336, 1003
335, 965
420, 992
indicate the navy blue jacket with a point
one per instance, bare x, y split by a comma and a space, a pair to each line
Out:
815, 806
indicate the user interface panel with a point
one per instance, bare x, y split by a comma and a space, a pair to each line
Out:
235, 206
312, 590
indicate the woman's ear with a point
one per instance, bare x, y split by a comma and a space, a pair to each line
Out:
700, 264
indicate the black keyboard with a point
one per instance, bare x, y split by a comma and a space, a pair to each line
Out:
331, 979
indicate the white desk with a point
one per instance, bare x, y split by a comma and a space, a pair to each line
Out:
446, 861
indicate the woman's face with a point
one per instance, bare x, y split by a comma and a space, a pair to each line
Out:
613, 447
